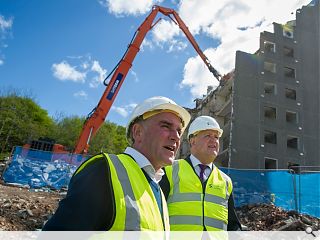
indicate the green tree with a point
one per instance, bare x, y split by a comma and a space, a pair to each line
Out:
110, 138
21, 120
120, 140
66, 131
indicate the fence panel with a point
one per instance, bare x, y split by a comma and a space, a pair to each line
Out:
284, 188
41, 169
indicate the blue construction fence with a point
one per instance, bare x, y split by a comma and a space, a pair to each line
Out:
40, 169
283, 188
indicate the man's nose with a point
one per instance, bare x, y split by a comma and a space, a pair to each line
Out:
214, 140
175, 135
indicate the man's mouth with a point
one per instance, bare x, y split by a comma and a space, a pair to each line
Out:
170, 148
212, 147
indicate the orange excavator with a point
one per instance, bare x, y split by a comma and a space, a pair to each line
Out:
97, 116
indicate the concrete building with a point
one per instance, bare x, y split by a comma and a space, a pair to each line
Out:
269, 106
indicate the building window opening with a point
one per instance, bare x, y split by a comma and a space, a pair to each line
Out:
270, 137
288, 52
291, 93
292, 142
270, 112
270, 163
270, 67
291, 117
269, 46
270, 88
289, 72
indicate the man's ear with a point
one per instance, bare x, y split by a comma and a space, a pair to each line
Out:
137, 132
192, 141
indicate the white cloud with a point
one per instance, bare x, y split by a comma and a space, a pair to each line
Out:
83, 69
97, 68
5, 24
165, 30
125, 7
65, 72
97, 80
81, 94
120, 110
124, 111
94, 82
135, 76
237, 24
197, 77
146, 44
85, 65
196, 14
132, 106
176, 46
5, 28
164, 33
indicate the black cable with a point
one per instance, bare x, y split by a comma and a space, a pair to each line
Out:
105, 80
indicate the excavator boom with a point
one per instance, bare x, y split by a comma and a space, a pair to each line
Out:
98, 115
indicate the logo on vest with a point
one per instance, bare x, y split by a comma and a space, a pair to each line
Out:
211, 185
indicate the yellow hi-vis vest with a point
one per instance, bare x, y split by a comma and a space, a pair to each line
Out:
136, 208
192, 208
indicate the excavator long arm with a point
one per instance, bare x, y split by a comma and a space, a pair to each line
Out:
98, 115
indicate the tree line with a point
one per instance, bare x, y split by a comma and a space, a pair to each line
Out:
23, 120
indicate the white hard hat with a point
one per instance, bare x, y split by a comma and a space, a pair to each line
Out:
204, 123
157, 103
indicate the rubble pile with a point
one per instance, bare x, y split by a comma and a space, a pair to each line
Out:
267, 217
3, 164
23, 209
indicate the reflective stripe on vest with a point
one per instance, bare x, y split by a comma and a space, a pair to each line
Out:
132, 219
186, 195
197, 220
135, 206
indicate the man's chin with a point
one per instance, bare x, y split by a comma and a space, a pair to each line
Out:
213, 153
169, 161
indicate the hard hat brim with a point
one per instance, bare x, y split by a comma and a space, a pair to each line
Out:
182, 113
220, 131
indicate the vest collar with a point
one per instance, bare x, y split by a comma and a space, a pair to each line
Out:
144, 163
195, 161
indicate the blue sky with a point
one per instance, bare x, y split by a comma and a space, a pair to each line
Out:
60, 51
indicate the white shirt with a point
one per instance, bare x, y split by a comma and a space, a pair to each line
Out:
145, 164
195, 163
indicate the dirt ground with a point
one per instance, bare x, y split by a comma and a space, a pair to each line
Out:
24, 209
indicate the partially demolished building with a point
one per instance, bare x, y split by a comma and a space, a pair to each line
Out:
269, 106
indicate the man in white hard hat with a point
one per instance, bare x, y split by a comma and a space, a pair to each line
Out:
199, 195
121, 192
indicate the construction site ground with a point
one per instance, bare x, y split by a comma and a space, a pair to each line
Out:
25, 209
